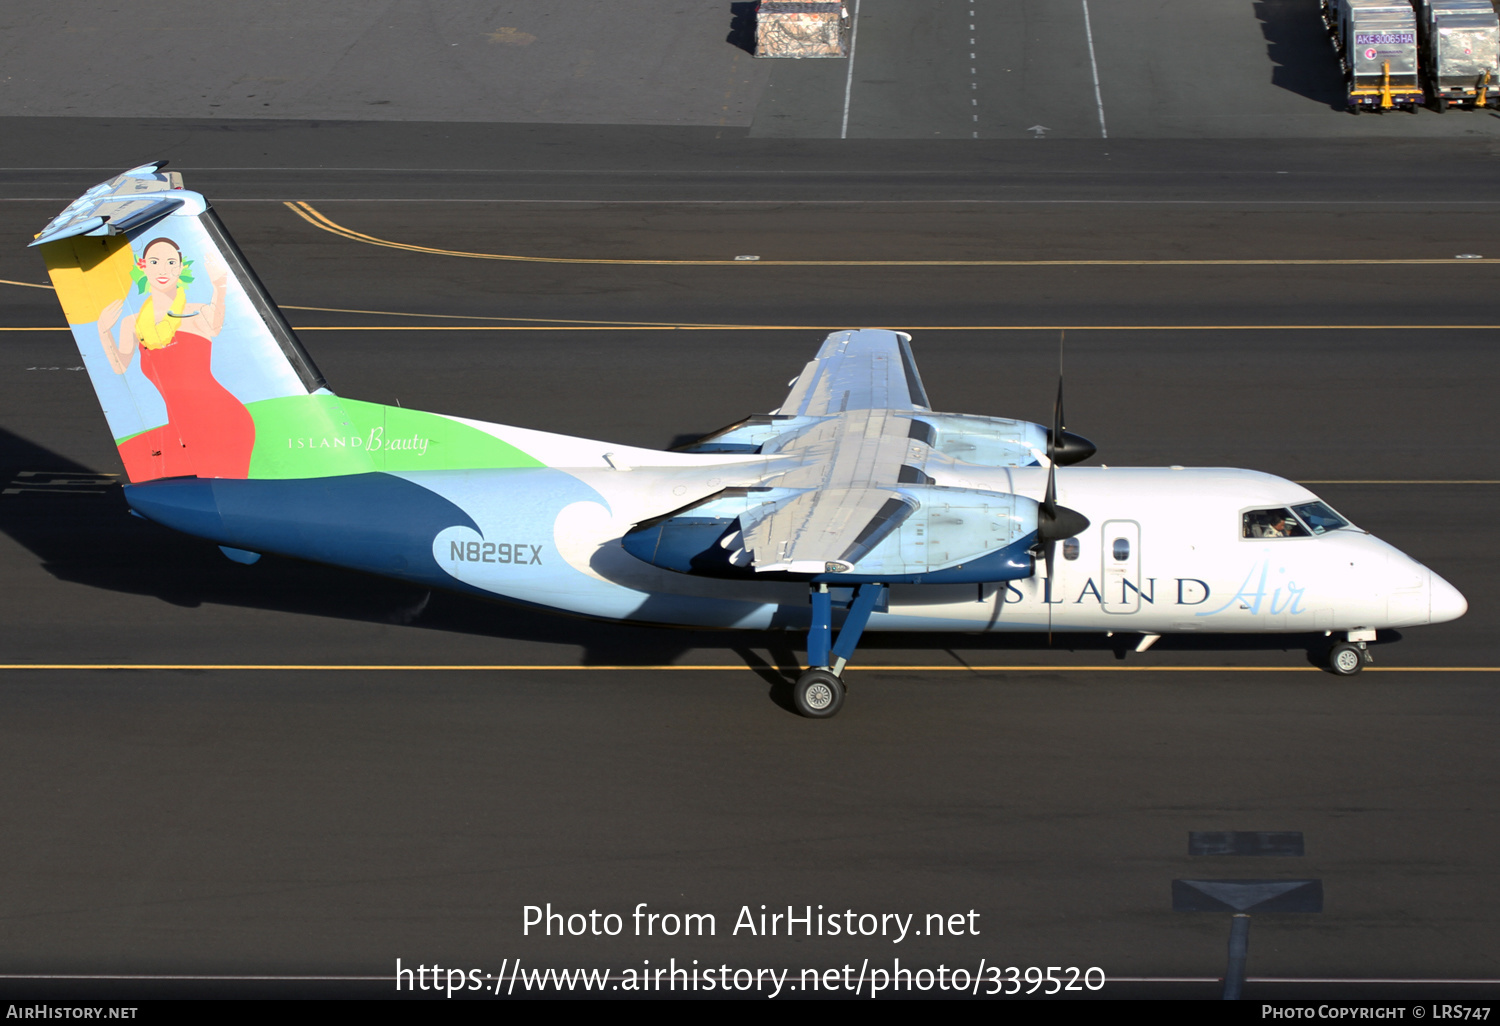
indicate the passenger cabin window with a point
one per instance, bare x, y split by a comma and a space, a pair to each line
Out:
1070, 548
1121, 550
1272, 523
1319, 517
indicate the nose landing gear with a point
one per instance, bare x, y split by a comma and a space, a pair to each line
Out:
819, 692
1346, 658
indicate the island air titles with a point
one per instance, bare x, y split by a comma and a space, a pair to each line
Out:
375, 441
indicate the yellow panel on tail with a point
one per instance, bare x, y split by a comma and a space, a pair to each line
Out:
89, 272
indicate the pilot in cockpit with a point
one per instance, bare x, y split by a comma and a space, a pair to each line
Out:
1271, 523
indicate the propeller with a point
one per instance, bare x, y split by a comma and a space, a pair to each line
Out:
1056, 522
1063, 446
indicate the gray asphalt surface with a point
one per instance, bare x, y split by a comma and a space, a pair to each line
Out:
327, 822
262, 821
577, 61
938, 69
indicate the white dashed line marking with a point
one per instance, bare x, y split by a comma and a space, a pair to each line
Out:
1098, 99
973, 85
849, 81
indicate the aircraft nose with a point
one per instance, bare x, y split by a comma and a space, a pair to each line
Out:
1448, 602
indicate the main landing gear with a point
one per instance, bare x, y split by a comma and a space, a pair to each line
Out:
819, 693
1346, 658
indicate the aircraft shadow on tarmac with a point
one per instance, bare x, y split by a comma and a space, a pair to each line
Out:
87, 536
1303, 60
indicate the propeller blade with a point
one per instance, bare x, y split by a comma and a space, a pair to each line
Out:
1055, 522
1057, 414
1063, 446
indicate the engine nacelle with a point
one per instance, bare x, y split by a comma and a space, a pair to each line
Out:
926, 535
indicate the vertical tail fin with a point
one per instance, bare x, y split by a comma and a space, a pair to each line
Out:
198, 372
186, 351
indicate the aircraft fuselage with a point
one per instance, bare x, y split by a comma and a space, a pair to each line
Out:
1165, 551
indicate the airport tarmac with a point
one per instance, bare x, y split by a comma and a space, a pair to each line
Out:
934, 69
1276, 304
286, 821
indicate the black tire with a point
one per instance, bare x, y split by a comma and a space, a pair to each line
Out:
818, 694
1345, 659
1440, 104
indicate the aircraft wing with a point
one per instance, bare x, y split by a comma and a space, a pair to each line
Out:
858, 370
846, 490
825, 531
866, 385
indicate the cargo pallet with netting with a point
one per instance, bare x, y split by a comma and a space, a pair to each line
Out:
801, 28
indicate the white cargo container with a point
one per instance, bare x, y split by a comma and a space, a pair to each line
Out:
1460, 51
1377, 44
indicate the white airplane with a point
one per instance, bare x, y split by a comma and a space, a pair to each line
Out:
853, 505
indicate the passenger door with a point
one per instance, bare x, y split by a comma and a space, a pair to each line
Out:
1121, 573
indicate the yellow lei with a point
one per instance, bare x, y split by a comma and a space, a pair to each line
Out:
154, 334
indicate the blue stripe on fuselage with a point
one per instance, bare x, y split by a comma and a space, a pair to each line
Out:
377, 523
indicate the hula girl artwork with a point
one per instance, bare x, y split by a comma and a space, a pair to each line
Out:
208, 433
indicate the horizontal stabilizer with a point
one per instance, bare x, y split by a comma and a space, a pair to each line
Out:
126, 202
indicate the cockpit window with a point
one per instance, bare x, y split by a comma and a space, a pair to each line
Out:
1319, 517
1273, 523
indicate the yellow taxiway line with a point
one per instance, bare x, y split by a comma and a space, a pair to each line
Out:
314, 217
499, 668
545, 324
563, 324
608, 326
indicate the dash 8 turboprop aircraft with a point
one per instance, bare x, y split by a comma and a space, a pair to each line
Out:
852, 506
